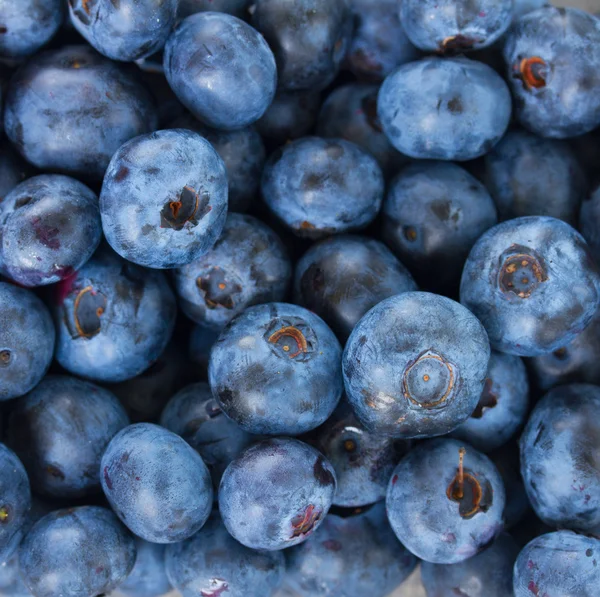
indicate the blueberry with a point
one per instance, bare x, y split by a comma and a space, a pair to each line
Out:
552, 57
308, 37
233, 7
358, 555
503, 405
558, 458
341, 278
444, 109
156, 483
149, 575
212, 562
49, 228
532, 283
275, 370
113, 318
76, 552
209, 58
522, 7
60, 431
433, 214
590, 222
124, 30
11, 583
276, 493
560, 563
164, 198
71, 109
463, 495
319, 187
26, 341
202, 339
528, 175
247, 266
415, 366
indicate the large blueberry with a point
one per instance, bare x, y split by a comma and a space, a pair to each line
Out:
415, 365
276, 493
149, 575
533, 284
275, 370
164, 198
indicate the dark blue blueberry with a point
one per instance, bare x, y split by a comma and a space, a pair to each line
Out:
415, 366
12, 170
531, 176
221, 69
444, 109
308, 37
26, 341
559, 461
455, 25
432, 215
341, 278
60, 431
532, 283
237, 8
49, 228
560, 563
248, 265
194, 414
124, 30
553, 58
164, 198
202, 339
113, 318
28, 25
15, 501
76, 552
149, 575
503, 405
319, 187
157, 484
212, 563
590, 222
71, 109
488, 574
11, 583
275, 370
445, 501
276, 493
357, 555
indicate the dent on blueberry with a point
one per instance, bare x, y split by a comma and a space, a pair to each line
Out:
190, 206
291, 338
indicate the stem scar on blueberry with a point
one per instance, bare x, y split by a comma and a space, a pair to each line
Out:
4, 358
410, 234
457, 43
304, 523
89, 307
520, 274
190, 206
217, 290
349, 445
532, 71
428, 381
285, 339
4, 514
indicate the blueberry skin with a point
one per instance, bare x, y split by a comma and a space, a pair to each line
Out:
559, 563
126, 30
88, 102
275, 370
552, 56
149, 575
27, 340
554, 300
401, 345
207, 74
164, 199
287, 486
522, 7
319, 187
341, 278
309, 39
503, 405
157, 484
433, 214
28, 25
113, 318
444, 108
49, 227
212, 562
12, 169
449, 530
15, 497
11, 583
558, 465
76, 552
236, 8
248, 265
528, 175
60, 431
590, 222
488, 574
194, 415
359, 555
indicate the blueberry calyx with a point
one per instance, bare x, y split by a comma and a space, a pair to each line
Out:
532, 71
429, 381
217, 289
521, 272
291, 338
4, 514
190, 207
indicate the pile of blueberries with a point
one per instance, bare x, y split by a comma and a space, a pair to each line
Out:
297, 295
